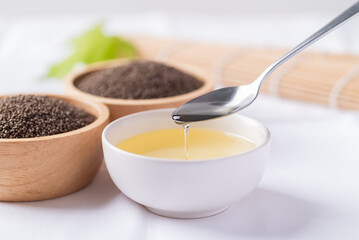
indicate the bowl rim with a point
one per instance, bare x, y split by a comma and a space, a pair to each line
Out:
102, 110
176, 161
207, 79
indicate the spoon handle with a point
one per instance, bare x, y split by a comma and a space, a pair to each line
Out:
343, 17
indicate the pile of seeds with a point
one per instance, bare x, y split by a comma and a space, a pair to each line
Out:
138, 80
27, 116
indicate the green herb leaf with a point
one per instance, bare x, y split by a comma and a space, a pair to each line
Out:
91, 47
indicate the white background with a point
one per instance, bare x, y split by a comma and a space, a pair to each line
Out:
216, 7
310, 188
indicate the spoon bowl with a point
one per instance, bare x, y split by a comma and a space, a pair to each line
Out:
215, 104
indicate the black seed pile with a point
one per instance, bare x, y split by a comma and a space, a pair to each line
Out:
138, 80
27, 116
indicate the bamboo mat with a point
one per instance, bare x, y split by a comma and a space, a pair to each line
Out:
316, 77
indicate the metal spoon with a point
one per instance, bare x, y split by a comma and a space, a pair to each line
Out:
225, 101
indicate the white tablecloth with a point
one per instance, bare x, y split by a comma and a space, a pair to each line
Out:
310, 188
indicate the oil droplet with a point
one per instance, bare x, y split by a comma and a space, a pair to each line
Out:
186, 140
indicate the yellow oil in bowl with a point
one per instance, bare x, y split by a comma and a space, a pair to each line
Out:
170, 144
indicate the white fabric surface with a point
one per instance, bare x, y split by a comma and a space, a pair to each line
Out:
310, 188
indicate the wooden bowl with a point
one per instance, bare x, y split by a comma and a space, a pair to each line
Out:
52, 166
122, 107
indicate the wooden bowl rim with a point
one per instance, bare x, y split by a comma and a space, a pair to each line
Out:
102, 110
207, 79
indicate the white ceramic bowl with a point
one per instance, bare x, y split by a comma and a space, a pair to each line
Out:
179, 188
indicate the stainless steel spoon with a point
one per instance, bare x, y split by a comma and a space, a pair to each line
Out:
225, 101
